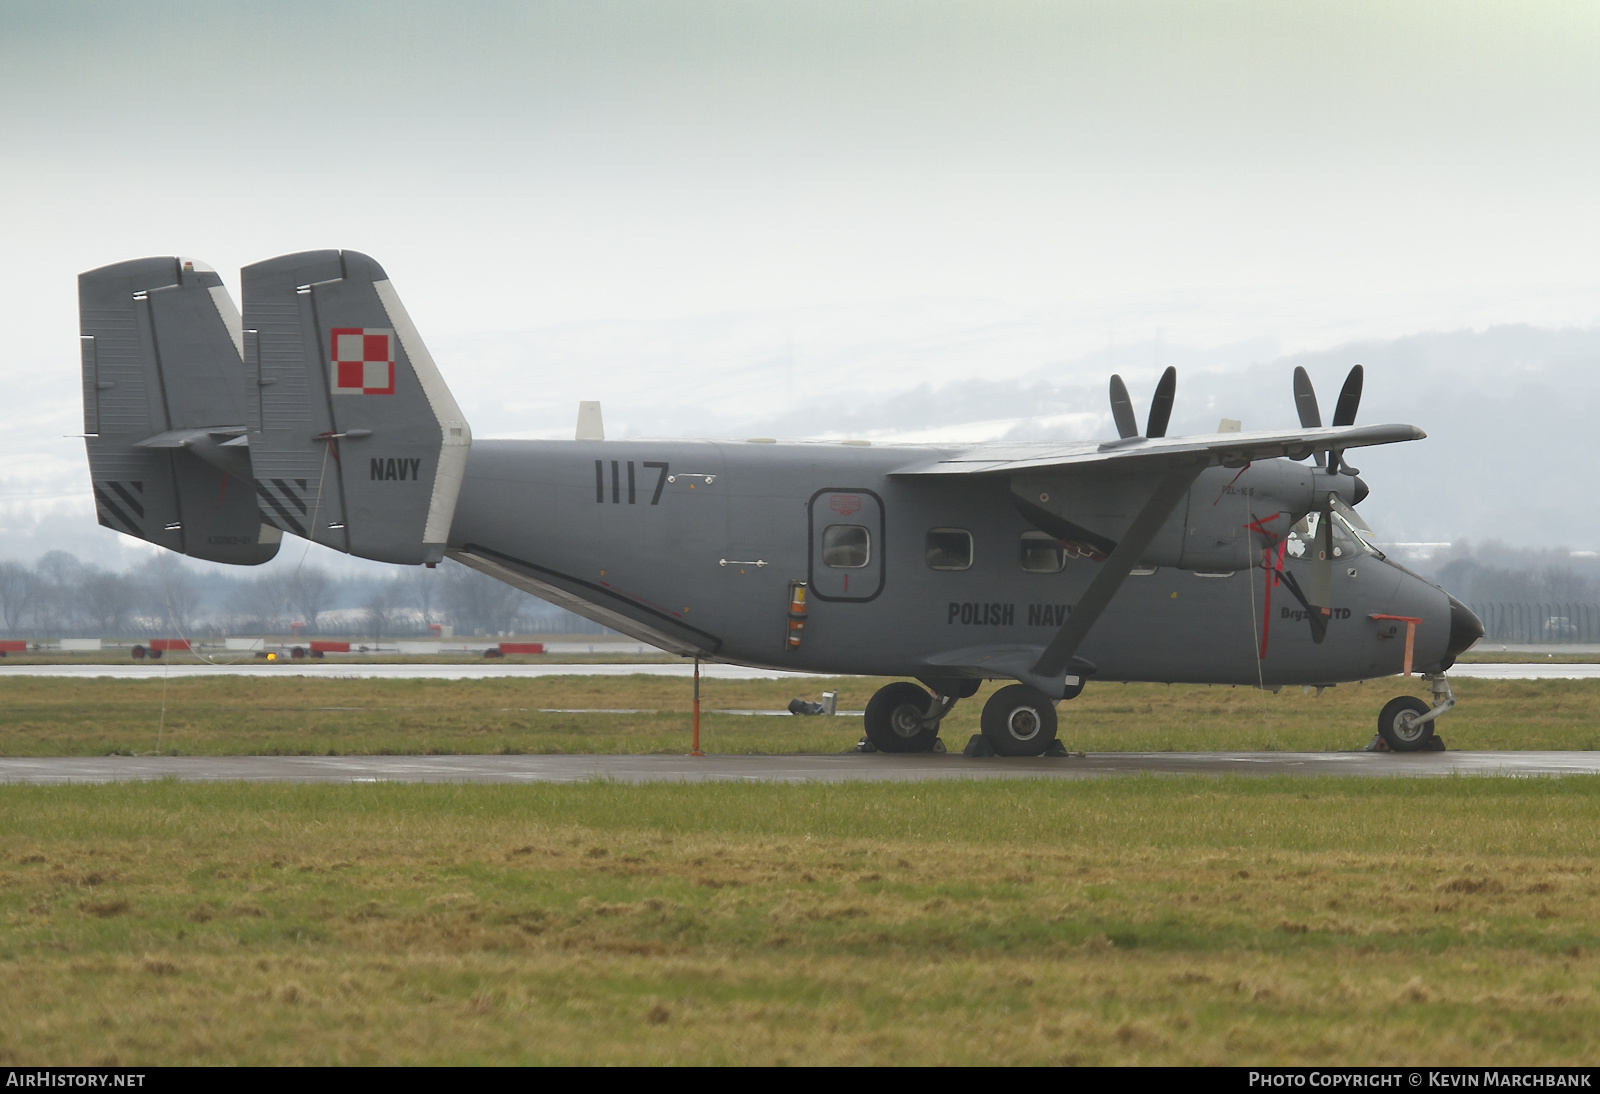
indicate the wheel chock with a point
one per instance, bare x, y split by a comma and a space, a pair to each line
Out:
938, 746
1056, 748
1435, 744
978, 746
1377, 744
865, 745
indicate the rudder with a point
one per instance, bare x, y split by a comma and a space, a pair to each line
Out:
355, 440
163, 395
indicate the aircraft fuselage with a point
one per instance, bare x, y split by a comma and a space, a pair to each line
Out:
695, 545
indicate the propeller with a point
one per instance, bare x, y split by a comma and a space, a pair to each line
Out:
1317, 595
1160, 406
1344, 411
1319, 589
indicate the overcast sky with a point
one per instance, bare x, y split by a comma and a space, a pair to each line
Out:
1082, 175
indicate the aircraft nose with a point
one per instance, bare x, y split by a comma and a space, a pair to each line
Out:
1465, 629
1361, 493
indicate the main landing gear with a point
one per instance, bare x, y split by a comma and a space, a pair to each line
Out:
904, 717
1406, 724
1017, 720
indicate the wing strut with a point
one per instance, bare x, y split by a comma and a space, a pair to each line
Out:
1115, 569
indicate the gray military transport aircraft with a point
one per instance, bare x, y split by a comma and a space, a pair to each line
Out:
1227, 558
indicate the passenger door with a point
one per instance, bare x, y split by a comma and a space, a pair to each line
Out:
846, 559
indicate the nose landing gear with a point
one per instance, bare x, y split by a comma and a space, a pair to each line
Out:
1406, 724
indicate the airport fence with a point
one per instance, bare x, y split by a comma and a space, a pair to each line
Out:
1534, 622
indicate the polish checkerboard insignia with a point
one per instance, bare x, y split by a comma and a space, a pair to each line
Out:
363, 361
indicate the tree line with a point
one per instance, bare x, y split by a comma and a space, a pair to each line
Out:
62, 596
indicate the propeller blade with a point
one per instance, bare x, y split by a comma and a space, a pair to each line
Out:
1122, 408
1351, 517
1344, 411
1319, 589
1319, 622
1161, 403
1305, 400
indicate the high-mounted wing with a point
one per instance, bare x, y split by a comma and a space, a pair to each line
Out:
1172, 464
1205, 450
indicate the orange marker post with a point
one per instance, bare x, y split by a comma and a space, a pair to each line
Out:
1411, 622
696, 751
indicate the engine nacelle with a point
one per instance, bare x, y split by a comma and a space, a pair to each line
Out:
1222, 524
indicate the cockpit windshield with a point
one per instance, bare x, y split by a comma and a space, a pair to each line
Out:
1352, 536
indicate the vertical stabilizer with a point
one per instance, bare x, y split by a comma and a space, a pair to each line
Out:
163, 410
355, 439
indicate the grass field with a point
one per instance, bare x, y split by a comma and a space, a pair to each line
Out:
1143, 920
295, 715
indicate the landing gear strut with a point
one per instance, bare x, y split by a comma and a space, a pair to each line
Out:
1406, 724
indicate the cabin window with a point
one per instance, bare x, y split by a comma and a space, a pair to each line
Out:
846, 546
1042, 554
949, 549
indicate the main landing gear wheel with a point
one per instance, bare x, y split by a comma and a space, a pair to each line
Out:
1019, 721
1398, 725
897, 719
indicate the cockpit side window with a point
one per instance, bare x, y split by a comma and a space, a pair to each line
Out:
1042, 553
1351, 535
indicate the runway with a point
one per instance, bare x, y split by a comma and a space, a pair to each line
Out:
493, 671
842, 767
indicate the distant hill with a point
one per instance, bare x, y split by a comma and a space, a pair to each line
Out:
1510, 411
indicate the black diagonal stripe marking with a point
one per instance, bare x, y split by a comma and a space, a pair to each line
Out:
111, 507
289, 523
122, 492
294, 499
137, 485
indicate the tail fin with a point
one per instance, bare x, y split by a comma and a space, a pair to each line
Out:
163, 410
355, 440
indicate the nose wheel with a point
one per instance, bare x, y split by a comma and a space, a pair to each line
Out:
1406, 723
